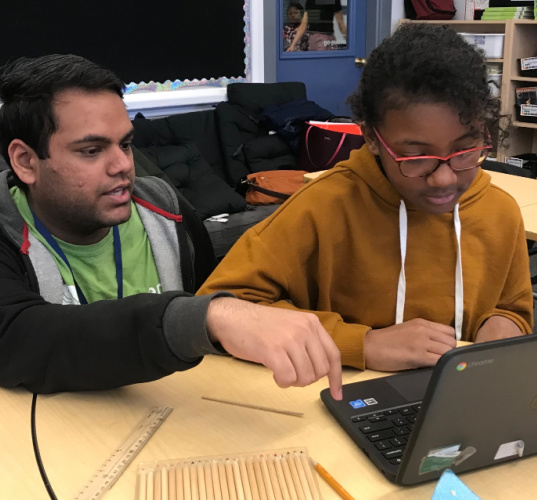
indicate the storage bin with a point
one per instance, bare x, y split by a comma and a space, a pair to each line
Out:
526, 113
528, 66
490, 43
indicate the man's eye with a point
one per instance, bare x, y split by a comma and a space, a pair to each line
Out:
126, 146
90, 151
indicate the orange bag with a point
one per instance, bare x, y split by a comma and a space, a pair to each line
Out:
273, 186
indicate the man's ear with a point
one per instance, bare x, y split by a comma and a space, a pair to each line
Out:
371, 140
24, 161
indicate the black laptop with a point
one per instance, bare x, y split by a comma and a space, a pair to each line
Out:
476, 408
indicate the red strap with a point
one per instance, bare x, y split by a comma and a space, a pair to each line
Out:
153, 208
25, 247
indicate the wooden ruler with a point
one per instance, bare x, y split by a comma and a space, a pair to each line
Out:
110, 471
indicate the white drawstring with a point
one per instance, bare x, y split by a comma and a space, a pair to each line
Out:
401, 286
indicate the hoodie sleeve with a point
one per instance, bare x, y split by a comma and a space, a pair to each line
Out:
48, 348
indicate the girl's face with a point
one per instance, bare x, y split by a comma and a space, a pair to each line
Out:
293, 14
426, 129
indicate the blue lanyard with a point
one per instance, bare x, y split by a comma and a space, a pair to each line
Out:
117, 257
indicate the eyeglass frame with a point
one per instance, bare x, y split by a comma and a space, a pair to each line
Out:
441, 159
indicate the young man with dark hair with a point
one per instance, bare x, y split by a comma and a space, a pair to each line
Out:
406, 247
97, 268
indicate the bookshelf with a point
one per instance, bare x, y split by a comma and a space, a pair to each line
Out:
520, 41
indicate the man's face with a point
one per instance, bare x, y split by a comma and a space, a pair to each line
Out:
426, 129
85, 185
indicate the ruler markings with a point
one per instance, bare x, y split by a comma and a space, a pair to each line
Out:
112, 468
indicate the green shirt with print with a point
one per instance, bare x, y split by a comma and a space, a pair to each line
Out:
94, 266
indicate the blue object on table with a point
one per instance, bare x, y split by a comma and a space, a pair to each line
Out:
450, 487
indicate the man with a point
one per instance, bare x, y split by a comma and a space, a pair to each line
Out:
406, 247
93, 262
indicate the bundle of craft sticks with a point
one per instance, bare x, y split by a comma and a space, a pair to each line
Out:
268, 475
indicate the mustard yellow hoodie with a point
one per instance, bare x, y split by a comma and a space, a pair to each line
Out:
333, 248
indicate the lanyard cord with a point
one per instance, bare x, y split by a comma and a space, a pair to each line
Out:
401, 286
56, 247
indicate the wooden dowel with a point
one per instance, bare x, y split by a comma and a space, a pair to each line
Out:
187, 490
150, 485
302, 476
281, 478
230, 480
208, 480
172, 491
254, 407
217, 489
179, 488
237, 477
294, 475
266, 477
194, 481
309, 475
274, 478
201, 481
254, 487
245, 480
142, 485
223, 480
164, 482
157, 494
259, 479
288, 478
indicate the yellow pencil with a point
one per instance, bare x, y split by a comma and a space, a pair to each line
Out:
342, 492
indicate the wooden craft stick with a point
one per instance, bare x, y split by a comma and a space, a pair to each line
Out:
216, 481
150, 485
281, 478
288, 479
254, 407
294, 475
342, 492
201, 481
266, 477
193, 481
302, 476
274, 478
142, 485
172, 489
157, 486
179, 487
208, 480
224, 487
187, 490
237, 478
164, 482
254, 487
259, 479
230, 480
245, 480
309, 476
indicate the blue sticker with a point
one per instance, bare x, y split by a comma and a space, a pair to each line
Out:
357, 403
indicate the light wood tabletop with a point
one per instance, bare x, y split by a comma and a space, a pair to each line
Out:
77, 432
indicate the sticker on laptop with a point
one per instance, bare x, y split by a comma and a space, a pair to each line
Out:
510, 449
442, 458
370, 401
357, 403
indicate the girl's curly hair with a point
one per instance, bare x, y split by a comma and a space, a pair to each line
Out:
426, 63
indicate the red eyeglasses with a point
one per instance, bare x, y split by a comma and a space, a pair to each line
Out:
421, 166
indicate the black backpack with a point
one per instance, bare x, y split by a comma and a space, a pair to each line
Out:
430, 9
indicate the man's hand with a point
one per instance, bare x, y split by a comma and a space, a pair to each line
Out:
413, 344
292, 344
497, 327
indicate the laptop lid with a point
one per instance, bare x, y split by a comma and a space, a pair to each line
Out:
478, 408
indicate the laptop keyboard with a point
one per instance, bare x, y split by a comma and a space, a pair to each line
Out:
388, 430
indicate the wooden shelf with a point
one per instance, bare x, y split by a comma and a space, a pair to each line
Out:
520, 124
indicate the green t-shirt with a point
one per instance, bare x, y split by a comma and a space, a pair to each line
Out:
94, 265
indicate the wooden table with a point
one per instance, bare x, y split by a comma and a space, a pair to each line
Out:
78, 431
